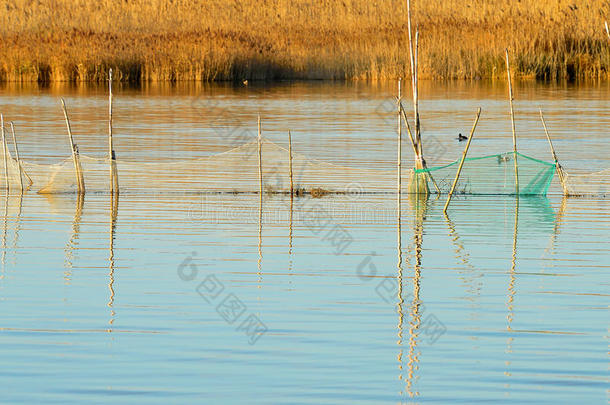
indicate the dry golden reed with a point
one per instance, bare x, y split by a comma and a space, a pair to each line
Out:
151, 40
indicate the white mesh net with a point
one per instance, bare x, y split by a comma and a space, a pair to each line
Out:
588, 184
233, 171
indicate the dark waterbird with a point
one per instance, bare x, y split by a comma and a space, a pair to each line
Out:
461, 138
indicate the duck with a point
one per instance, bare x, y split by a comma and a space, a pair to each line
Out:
461, 138
503, 158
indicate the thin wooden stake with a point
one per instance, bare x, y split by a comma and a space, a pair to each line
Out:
558, 167
75, 158
290, 162
260, 159
17, 156
4, 151
607, 30
512, 119
459, 170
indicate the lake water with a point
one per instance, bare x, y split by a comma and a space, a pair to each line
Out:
219, 298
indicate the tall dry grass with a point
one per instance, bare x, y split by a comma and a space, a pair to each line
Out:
53, 40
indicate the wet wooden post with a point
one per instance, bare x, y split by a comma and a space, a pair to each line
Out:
4, 152
459, 170
75, 158
17, 156
512, 119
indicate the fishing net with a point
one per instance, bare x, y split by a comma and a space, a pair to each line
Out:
493, 175
236, 171
587, 184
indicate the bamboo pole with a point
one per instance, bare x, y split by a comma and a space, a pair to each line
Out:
21, 169
558, 167
419, 183
512, 119
415, 149
4, 152
260, 159
607, 30
399, 132
416, 103
413, 144
17, 156
459, 170
411, 54
114, 181
414, 84
290, 162
75, 158
404, 117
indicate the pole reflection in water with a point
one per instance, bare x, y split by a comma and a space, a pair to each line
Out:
114, 208
473, 288
399, 282
260, 240
419, 204
72, 243
18, 222
4, 230
556, 230
511, 290
290, 240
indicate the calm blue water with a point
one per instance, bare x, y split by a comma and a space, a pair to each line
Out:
163, 298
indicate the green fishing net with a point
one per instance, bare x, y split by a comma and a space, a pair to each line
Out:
492, 175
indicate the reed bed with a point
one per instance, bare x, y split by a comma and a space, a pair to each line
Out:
205, 40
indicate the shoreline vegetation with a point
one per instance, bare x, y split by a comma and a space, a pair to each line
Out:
235, 40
